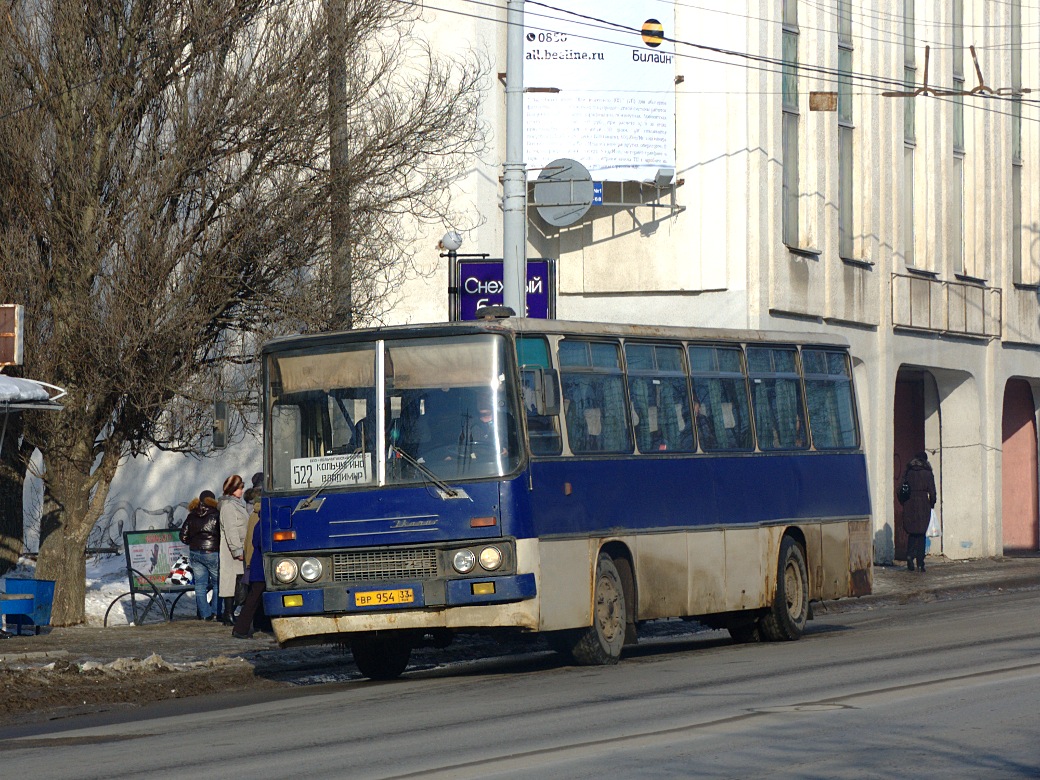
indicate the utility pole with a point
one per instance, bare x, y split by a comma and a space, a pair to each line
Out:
337, 17
514, 179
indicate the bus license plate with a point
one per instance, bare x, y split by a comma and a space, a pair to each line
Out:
381, 598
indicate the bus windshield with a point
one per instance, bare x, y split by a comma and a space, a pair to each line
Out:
446, 404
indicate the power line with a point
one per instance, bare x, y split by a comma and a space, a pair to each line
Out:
828, 75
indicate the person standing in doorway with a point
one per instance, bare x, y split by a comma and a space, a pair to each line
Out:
234, 516
918, 508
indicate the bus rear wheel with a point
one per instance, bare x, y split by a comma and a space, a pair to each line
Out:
785, 620
381, 658
601, 643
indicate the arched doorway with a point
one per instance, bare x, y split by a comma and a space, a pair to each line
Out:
1019, 501
908, 419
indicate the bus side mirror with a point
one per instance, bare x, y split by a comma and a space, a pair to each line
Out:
551, 392
544, 384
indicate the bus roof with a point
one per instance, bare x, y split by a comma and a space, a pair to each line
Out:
530, 326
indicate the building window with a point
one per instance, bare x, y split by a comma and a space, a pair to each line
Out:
1019, 273
957, 232
909, 132
789, 79
846, 127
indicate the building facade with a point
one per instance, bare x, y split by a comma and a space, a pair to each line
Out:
868, 169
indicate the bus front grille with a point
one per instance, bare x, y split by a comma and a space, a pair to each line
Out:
382, 565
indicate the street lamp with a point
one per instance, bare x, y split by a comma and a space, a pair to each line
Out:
449, 246
450, 242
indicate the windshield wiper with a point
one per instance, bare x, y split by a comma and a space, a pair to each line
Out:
447, 489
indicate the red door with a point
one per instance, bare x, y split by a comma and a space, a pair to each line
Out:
1019, 468
908, 439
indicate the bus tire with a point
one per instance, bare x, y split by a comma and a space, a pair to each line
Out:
601, 643
381, 658
785, 620
745, 631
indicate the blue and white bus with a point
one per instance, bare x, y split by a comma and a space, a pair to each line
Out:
569, 478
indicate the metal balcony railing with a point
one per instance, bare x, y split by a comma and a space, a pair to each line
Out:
922, 302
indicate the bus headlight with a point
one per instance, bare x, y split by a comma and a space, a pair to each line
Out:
490, 558
464, 561
285, 571
310, 569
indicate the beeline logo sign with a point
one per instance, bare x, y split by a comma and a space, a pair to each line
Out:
653, 33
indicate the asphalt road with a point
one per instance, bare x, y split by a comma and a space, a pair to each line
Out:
945, 689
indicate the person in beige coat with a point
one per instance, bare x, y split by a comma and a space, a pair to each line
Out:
234, 515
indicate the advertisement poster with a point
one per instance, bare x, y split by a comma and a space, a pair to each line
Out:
151, 554
614, 111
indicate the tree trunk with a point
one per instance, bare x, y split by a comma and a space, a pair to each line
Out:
62, 559
72, 507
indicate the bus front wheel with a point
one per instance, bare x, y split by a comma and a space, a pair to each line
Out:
381, 658
785, 620
601, 643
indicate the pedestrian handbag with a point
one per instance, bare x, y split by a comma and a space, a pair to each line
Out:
903, 494
242, 588
933, 526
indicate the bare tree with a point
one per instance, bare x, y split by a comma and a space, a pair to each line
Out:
165, 204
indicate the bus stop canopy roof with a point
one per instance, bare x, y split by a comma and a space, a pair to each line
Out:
17, 394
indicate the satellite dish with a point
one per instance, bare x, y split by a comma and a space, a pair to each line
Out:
563, 192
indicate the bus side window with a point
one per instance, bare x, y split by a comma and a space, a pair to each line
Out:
720, 385
594, 397
660, 405
543, 430
776, 397
828, 391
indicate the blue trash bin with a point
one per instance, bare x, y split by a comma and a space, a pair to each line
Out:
42, 592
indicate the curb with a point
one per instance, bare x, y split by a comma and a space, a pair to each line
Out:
43, 655
1012, 582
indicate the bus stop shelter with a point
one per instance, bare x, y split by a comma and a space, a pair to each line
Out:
21, 395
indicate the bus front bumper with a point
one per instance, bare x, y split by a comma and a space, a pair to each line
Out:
462, 603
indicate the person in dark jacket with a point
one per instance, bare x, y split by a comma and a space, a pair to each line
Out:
918, 508
201, 532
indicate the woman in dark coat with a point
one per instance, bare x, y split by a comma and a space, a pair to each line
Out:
253, 609
918, 508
